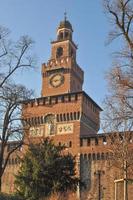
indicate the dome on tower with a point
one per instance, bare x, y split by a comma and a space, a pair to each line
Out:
64, 30
65, 24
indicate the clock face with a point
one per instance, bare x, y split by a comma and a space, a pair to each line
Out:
57, 80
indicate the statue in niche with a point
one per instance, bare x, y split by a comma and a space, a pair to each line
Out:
50, 124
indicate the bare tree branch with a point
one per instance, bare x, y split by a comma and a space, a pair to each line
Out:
13, 56
16, 57
118, 115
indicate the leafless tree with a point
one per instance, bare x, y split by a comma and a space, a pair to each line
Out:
118, 125
118, 115
13, 56
120, 13
11, 124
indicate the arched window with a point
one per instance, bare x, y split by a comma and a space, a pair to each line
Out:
69, 97
107, 155
35, 120
64, 117
71, 116
98, 156
85, 156
62, 99
70, 144
61, 118
59, 52
57, 118
76, 97
81, 142
89, 156
32, 121
94, 156
88, 141
78, 115
66, 34
68, 117
96, 141
102, 156
60, 37
75, 115
41, 120
81, 157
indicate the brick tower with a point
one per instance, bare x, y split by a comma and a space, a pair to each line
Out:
64, 111
62, 74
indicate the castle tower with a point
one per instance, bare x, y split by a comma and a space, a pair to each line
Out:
64, 112
62, 74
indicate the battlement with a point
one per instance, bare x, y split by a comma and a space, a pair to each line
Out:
49, 100
94, 140
60, 64
57, 63
63, 98
98, 144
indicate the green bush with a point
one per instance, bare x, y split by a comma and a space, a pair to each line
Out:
46, 169
8, 197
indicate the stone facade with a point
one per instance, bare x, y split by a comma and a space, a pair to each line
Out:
65, 113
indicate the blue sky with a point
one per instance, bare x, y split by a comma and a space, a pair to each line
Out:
40, 18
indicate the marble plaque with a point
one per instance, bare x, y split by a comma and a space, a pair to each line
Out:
64, 128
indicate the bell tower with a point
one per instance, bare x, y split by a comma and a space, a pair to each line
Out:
62, 74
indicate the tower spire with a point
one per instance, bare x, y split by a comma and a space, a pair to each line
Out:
65, 16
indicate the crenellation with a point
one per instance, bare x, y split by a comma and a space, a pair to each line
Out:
65, 61
97, 140
53, 99
95, 156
